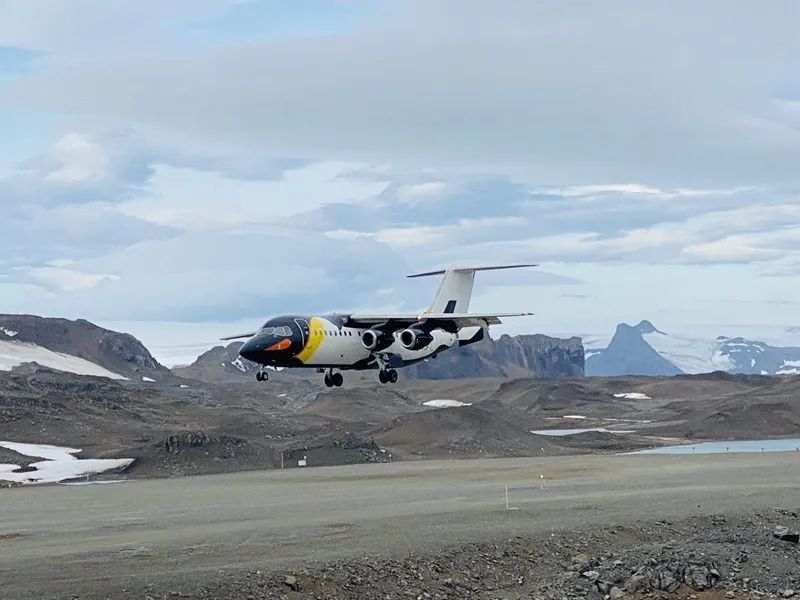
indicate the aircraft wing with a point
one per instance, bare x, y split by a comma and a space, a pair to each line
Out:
456, 319
238, 337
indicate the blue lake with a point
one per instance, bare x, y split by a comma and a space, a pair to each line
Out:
787, 445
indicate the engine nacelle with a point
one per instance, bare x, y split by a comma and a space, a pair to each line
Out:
375, 340
415, 338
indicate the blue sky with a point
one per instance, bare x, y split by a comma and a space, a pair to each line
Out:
207, 163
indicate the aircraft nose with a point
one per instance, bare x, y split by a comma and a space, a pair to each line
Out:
250, 349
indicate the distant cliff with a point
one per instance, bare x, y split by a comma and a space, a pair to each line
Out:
517, 356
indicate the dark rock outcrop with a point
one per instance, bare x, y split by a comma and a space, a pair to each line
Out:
517, 356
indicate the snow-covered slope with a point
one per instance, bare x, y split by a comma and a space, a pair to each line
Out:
689, 354
13, 353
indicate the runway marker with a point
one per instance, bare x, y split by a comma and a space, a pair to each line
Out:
507, 506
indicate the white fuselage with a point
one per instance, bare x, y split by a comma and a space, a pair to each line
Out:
342, 346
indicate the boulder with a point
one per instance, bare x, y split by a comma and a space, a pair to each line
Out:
786, 535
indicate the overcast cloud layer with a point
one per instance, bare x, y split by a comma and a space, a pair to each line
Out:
221, 160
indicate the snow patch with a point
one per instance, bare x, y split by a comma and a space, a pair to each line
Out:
788, 372
58, 466
791, 363
45, 451
442, 403
9, 332
183, 385
239, 365
13, 354
147, 379
633, 396
566, 432
573, 417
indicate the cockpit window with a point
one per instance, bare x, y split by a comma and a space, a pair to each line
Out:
277, 331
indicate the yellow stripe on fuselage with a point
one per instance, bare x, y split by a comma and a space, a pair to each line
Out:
315, 329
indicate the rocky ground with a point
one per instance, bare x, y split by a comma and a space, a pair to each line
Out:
753, 556
185, 427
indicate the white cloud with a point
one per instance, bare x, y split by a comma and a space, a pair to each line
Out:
193, 199
631, 189
729, 249
520, 87
65, 280
422, 192
80, 160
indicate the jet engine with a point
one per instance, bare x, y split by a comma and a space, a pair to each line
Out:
376, 340
415, 338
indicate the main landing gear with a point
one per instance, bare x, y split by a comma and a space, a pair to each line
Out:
388, 376
333, 379
262, 375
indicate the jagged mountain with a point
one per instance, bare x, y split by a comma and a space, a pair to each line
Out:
629, 354
645, 350
518, 356
76, 346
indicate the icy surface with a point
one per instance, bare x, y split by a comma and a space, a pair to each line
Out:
785, 445
565, 432
13, 353
633, 396
61, 465
690, 355
445, 403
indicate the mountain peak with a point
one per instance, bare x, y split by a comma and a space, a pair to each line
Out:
646, 326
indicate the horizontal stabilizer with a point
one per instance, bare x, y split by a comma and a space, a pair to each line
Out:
469, 269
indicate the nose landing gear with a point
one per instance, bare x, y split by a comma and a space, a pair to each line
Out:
262, 375
333, 379
388, 376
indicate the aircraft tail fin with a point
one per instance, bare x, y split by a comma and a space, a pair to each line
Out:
455, 289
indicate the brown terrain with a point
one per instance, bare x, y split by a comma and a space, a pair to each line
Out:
395, 515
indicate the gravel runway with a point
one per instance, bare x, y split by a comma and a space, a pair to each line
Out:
113, 540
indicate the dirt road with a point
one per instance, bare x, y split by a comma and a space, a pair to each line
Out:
95, 540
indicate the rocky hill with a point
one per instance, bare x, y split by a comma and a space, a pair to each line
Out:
517, 356
76, 346
220, 363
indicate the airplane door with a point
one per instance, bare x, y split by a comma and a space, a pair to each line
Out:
303, 325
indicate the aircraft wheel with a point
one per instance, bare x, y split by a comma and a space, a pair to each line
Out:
260, 376
382, 377
328, 381
337, 379
392, 374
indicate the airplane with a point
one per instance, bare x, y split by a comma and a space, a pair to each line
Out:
341, 342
